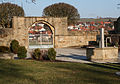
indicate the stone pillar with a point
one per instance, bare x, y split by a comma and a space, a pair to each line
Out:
101, 44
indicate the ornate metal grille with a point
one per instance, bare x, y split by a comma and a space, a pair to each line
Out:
40, 36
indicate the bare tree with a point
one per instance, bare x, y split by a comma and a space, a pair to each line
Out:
27, 1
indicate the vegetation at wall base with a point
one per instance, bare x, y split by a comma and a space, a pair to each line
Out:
14, 45
22, 52
45, 55
37, 54
4, 49
51, 54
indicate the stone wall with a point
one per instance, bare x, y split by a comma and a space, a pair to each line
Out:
21, 26
6, 35
59, 24
108, 54
78, 33
61, 38
68, 41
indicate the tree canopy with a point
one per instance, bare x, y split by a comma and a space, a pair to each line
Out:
118, 20
62, 10
33, 1
117, 26
7, 11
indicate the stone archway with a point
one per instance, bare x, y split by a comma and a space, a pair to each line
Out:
21, 26
41, 35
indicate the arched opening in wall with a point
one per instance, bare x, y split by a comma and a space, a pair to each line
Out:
41, 35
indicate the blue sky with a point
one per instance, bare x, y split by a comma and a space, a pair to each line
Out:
86, 8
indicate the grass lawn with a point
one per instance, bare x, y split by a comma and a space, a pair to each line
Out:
35, 72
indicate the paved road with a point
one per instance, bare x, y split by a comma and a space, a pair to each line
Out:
72, 55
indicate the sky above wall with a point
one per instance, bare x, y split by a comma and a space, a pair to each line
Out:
86, 8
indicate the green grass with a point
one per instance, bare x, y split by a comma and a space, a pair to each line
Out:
35, 72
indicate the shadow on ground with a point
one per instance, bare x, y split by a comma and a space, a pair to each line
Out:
11, 72
113, 66
73, 56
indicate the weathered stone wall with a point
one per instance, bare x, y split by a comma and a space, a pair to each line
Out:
6, 35
21, 26
108, 54
67, 40
62, 37
59, 24
78, 33
75, 38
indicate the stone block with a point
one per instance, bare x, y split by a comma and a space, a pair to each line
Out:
7, 56
108, 54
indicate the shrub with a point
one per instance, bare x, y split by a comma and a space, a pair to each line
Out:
110, 44
116, 44
37, 54
14, 45
22, 52
51, 54
4, 49
45, 55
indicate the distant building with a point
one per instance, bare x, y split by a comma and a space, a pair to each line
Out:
92, 26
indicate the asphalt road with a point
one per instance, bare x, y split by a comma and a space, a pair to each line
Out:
72, 55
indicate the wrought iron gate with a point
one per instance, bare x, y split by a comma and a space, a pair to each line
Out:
40, 36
